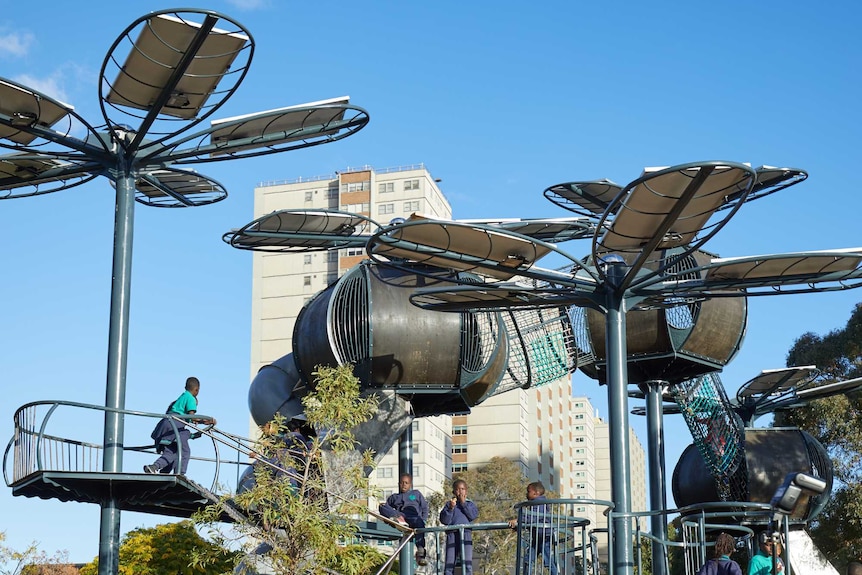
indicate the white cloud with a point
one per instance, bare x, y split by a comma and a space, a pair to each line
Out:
15, 44
50, 85
248, 5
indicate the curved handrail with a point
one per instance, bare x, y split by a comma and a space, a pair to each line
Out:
31, 446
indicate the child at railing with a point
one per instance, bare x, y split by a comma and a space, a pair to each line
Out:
537, 520
163, 434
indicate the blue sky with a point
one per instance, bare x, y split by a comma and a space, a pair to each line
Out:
499, 100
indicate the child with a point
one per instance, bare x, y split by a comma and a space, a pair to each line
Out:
538, 521
185, 404
459, 511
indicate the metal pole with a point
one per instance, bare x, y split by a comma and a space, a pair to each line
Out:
618, 423
657, 486
405, 465
115, 394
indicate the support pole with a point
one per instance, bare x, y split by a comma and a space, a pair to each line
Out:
657, 482
405, 465
115, 394
618, 422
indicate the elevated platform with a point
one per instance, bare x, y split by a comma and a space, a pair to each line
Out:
162, 494
56, 453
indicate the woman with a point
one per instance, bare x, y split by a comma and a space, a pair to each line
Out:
721, 563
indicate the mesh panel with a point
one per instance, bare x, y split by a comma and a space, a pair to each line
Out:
717, 431
581, 335
478, 339
541, 347
349, 324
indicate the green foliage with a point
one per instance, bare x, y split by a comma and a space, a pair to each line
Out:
495, 488
167, 548
836, 423
32, 561
293, 509
359, 560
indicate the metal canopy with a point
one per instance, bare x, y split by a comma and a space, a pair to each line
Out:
671, 206
495, 297
39, 175
21, 107
491, 252
590, 199
550, 230
177, 188
843, 263
292, 121
186, 57
777, 381
303, 230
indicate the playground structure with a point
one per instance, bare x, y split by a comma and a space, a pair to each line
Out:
646, 306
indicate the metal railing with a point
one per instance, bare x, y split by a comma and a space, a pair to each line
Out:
333, 176
66, 436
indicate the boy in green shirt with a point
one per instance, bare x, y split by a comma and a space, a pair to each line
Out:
163, 434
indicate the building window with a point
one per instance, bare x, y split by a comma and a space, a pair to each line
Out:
386, 209
580, 509
306, 259
309, 196
415, 448
363, 207
411, 184
580, 450
415, 425
459, 467
384, 472
332, 193
581, 486
579, 428
580, 462
416, 469
459, 449
580, 474
459, 430
349, 252
331, 257
411, 206
579, 416
331, 279
306, 280
580, 439
385, 188
358, 186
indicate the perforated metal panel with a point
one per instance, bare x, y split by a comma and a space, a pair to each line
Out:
349, 312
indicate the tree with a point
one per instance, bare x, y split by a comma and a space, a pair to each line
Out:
32, 561
293, 508
835, 422
167, 548
495, 488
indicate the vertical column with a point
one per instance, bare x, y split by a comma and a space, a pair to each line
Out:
405, 465
618, 421
115, 393
657, 483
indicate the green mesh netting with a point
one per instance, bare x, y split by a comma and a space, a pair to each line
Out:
541, 347
717, 431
